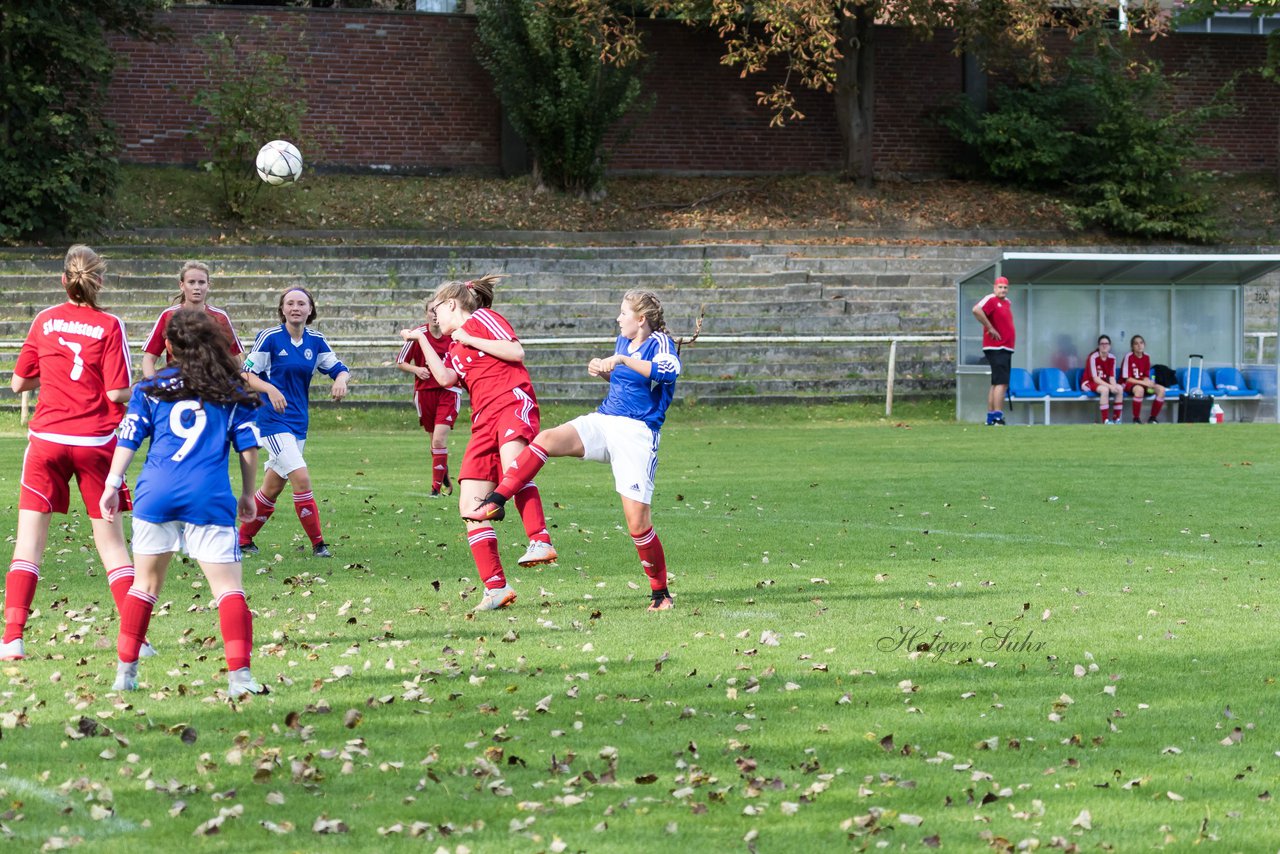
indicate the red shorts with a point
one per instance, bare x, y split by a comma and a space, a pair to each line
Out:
1087, 384
1130, 385
437, 406
492, 429
47, 469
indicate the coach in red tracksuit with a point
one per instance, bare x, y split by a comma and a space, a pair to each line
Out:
996, 316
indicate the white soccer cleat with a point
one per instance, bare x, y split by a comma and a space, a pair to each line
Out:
126, 676
147, 650
499, 597
538, 553
241, 682
13, 650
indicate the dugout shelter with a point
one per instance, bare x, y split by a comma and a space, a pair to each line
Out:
1062, 301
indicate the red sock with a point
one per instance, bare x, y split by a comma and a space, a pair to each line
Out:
652, 558
304, 504
529, 503
439, 467
1117, 411
265, 508
1156, 406
1102, 413
522, 471
135, 617
484, 548
120, 580
237, 628
1137, 409
19, 590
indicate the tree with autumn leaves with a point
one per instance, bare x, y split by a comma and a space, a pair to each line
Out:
829, 45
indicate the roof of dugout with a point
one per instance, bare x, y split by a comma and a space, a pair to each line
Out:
1057, 268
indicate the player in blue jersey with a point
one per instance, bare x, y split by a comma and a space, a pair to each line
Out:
280, 366
192, 411
623, 432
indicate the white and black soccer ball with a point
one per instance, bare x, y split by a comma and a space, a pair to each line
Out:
279, 162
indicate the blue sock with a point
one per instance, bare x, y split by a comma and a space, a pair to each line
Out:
999, 415
991, 418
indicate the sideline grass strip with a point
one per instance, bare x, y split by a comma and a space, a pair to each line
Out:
924, 635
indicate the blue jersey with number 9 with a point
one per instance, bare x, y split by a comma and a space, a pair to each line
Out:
185, 476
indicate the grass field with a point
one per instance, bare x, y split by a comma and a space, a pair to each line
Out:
892, 635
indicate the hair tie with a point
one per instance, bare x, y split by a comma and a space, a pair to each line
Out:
471, 285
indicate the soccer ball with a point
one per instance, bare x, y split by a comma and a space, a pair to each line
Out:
279, 162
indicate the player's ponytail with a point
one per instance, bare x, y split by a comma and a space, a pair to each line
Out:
206, 367
647, 305
471, 295
82, 275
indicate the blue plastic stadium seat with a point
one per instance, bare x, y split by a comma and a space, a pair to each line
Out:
1055, 383
1230, 382
1021, 385
1076, 376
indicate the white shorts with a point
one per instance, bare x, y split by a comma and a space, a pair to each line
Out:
208, 543
284, 453
626, 444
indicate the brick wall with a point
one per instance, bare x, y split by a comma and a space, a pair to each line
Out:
404, 90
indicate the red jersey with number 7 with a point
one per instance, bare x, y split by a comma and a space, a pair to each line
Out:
488, 379
79, 353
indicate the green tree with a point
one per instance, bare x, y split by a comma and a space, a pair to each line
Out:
566, 72
829, 45
57, 152
252, 97
1107, 134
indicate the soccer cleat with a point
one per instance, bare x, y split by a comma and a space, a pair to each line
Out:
126, 676
241, 682
999, 422
489, 509
538, 553
147, 650
446, 485
435, 493
13, 650
661, 600
498, 597
321, 549
249, 548
1153, 420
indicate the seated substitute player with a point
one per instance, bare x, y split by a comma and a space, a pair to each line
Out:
1100, 377
1135, 370
281, 365
191, 411
437, 406
623, 431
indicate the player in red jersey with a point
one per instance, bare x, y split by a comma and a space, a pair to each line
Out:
995, 314
1100, 377
78, 357
1135, 370
193, 289
488, 359
437, 406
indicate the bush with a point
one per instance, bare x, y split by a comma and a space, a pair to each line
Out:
252, 97
1107, 133
566, 73
57, 153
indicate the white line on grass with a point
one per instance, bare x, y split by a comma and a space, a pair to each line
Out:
96, 830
